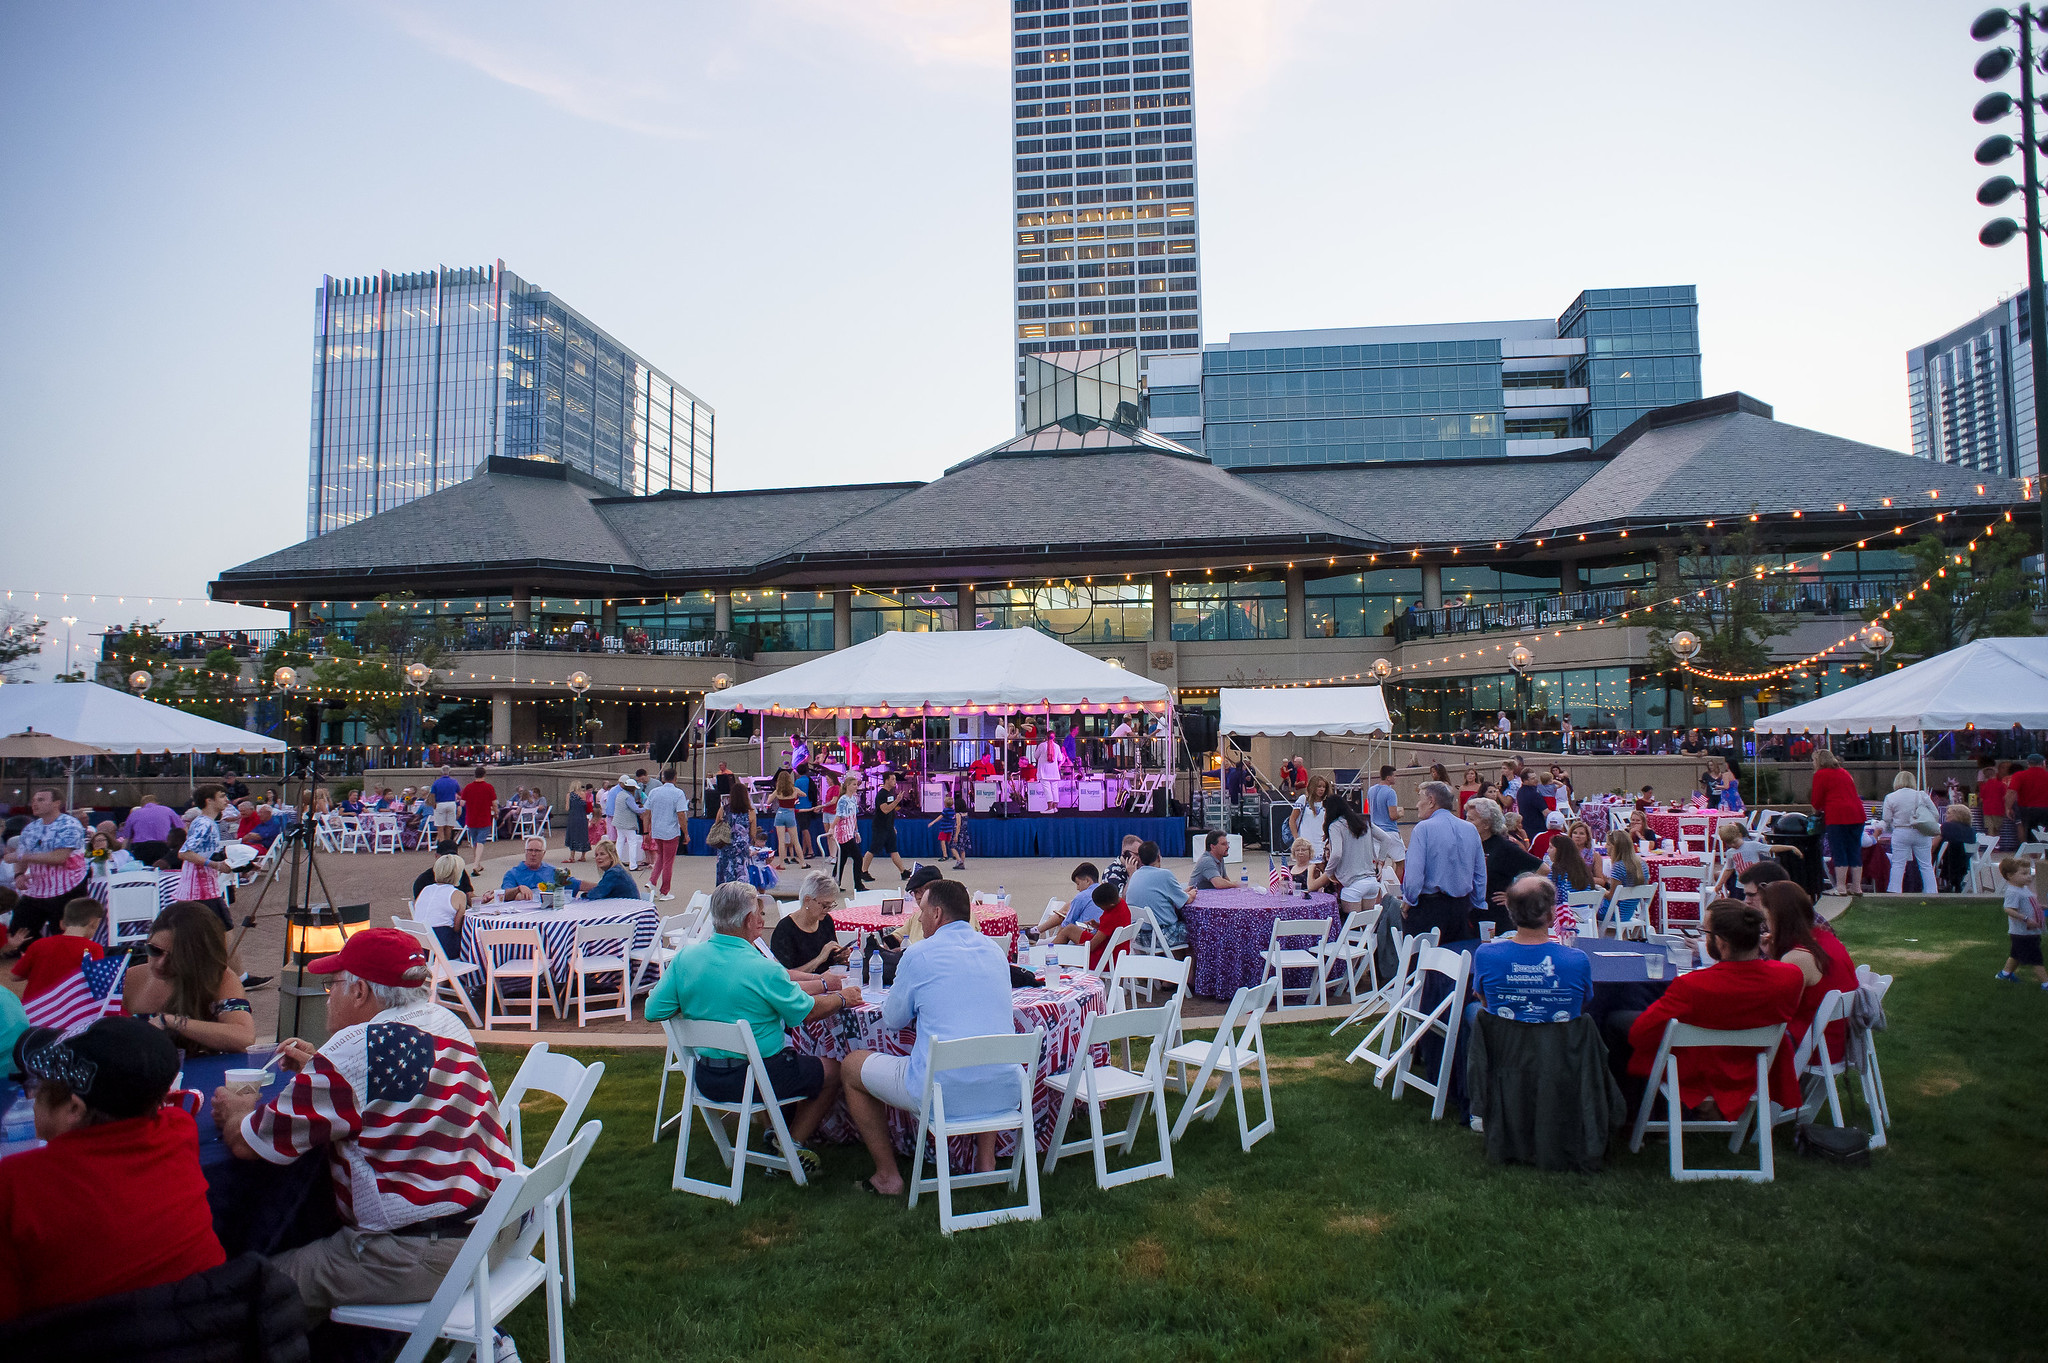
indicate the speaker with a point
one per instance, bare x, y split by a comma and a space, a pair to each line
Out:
1199, 729
668, 747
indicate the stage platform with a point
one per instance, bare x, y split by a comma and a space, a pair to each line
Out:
1095, 836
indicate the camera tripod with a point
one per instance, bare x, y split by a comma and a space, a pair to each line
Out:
297, 859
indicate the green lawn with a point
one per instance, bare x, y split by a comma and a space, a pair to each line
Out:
1362, 1230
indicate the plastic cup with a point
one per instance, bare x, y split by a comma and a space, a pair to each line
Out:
1653, 966
1486, 930
244, 1081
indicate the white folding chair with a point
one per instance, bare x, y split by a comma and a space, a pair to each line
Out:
699, 902
613, 943
1628, 910
447, 974
688, 1036
530, 964
935, 1125
1351, 951
1150, 941
1695, 834
1680, 1036
1871, 988
477, 1294
1984, 876
384, 833
1117, 947
1238, 1045
132, 906
1443, 1020
327, 832
1817, 1065
1133, 972
1278, 960
352, 838
1587, 907
1098, 1085
573, 1082
659, 952
1695, 899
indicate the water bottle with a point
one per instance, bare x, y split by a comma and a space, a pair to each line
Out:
19, 1124
871, 969
1244, 879
1002, 897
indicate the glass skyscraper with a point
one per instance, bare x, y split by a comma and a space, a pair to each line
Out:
1432, 392
1972, 394
418, 378
1108, 251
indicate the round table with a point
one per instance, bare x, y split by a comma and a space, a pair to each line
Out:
1062, 1012
557, 932
1663, 824
989, 920
1684, 870
1230, 930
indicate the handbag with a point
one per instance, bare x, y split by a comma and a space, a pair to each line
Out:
1929, 822
718, 835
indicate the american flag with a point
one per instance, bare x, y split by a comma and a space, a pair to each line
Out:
83, 998
1278, 877
405, 1110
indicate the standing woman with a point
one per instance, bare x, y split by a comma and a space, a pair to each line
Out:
1348, 873
1727, 786
739, 820
1835, 799
846, 834
198, 877
1469, 788
787, 842
577, 835
1914, 824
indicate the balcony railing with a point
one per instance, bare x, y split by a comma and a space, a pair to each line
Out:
117, 646
1848, 597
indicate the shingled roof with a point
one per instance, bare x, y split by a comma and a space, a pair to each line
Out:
1467, 502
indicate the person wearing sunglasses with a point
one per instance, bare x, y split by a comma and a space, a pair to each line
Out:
187, 988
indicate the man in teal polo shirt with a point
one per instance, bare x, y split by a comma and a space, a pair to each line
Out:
729, 979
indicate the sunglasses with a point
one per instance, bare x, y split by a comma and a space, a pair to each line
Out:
157, 953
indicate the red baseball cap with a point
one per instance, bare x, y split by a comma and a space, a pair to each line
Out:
379, 955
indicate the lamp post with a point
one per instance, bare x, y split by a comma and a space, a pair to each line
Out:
1992, 66
1685, 646
69, 621
579, 682
417, 675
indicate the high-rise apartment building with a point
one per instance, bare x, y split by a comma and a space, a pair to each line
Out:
1972, 394
1107, 238
418, 378
1433, 392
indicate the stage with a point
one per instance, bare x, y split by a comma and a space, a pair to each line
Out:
1098, 837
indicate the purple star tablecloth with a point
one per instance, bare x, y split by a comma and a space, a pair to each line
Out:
1230, 930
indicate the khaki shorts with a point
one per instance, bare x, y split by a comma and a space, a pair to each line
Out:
885, 1076
357, 1267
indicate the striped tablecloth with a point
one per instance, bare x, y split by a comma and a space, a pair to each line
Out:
1231, 929
166, 895
557, 930
1061, 1012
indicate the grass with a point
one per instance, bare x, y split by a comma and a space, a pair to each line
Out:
1360, 1229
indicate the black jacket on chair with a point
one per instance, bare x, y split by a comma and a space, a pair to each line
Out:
1544, 1092
241, 1312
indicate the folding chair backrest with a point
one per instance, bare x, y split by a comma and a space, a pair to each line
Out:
671, 923
549, 1072
1683, 1035
1443, 961
1132, 1024
489, 939
1073, 953
700, 901
131, 900
1632, 902
603, 932
1051, 905
690, 1035
1361, 927
1318, 928
1132, 967
965, 1052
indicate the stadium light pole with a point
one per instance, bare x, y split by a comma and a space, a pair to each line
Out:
1992, 66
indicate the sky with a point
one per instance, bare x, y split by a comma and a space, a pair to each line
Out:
799, 209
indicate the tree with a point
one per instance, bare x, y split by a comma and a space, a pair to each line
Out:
1975, 590
21, 640
1731, 622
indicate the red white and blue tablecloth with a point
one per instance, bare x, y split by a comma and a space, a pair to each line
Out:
1231, 929
557, 932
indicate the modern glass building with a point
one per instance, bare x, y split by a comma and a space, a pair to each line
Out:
418, 378
1972, 394
1107, 240
1435, 392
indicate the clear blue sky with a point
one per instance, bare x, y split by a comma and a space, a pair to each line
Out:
799, 209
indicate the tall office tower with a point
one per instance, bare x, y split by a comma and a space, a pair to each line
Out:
1972, 394
418, 378
1108, 251
1437, 391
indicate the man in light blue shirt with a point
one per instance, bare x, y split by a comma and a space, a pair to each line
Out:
1383, 806
1154, 888
1444, 882
955, 983
531, 874
665, 805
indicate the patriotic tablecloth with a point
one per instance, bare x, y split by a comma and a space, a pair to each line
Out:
1664, 824
557, 932
989, 920
1231, 929
1682, 871
1061, 1012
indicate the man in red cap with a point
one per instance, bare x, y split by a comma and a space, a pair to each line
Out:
406, 1112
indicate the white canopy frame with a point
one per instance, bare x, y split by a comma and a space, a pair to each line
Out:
119, 724
1307, 712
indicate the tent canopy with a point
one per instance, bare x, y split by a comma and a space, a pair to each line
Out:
1304, 712
86, 712
990, 671
1985, 684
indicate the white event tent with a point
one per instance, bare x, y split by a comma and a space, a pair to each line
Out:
1304, 712
1985, 684
116, 722
947, 673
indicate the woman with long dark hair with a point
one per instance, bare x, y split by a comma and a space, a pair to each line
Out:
739, 820
1797, 936
187, 987
1348, 870
1568, 869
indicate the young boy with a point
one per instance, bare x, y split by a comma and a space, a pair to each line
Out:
1084, 877
49, 961
2023, 920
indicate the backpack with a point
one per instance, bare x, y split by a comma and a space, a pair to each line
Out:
1848, 1146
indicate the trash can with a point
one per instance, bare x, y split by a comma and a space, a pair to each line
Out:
1803, 832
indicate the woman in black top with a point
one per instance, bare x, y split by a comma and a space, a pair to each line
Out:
808, 940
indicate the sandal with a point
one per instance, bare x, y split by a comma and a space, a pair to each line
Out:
867, 1185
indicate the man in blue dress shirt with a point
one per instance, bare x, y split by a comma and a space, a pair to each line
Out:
531, 874
954, 983
1443, 882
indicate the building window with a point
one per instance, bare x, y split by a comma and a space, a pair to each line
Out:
910, 612
1359, 605
1477, 586
784, 622
1214, 608
1077, 612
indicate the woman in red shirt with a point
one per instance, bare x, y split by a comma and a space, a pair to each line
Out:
1799, 938
1991, 798
1835, 799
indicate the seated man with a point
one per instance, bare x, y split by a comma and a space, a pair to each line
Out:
728, 978
1208, 873
952, 984
531, 874
1152, 887
1058, 915
1528, 977
1740, 990
398, 1080
73, 1224
261, 828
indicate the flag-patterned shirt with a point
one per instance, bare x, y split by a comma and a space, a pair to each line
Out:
406, 1111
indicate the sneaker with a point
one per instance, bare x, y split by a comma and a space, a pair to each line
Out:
667, 897
806, 1158
2007, 976
256, 981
